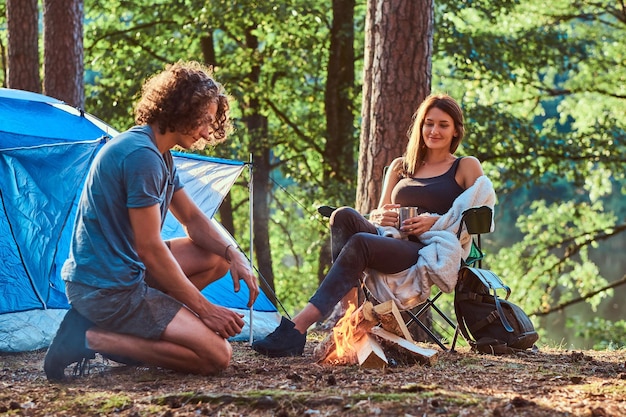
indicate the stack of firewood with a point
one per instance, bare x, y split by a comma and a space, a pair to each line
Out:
363, 336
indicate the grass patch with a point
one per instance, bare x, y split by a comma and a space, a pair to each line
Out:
308, 397
103, 402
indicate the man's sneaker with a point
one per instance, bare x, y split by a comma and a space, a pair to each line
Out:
122, 359
284, 341
68, 346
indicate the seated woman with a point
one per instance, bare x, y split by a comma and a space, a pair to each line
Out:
430, 177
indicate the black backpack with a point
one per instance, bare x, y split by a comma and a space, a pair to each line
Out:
490, 324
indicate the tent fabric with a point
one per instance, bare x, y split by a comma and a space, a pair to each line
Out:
35, 216
207, 181
46, 148
30, 119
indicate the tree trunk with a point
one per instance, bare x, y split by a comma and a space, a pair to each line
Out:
63, 51
226, 208
261, 211
339, 154
259, 147
398, 48
23, 48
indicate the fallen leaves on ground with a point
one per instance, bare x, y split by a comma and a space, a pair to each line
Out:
546, 382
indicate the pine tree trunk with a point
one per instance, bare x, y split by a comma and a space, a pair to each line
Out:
260, 149
23, 49
339, 153
63, 51
398, 48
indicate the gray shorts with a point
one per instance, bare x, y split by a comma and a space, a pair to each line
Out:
139, 310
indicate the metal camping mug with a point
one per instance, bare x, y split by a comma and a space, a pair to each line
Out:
406, 213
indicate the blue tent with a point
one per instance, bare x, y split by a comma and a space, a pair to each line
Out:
46, 148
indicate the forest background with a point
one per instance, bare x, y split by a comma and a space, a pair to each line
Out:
543, 90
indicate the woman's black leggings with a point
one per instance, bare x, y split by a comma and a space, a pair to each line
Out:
357, 246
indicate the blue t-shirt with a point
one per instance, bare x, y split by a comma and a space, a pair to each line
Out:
128, 172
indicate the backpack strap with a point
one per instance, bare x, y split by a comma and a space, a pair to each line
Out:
493, 316
493, 282
503, 319
490, 280
473, 296
498, 313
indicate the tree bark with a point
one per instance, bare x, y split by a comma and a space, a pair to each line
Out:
226, 208
398, 49
23, 47
256, 125
339, 153
63, 51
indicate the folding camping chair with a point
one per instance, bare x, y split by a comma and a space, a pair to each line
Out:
477, 221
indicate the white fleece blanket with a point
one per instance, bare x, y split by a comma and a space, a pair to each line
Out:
440, 258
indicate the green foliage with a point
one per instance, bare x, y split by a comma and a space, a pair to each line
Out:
543, 92
542, 89
3, 44
551, 264
300, 234
605, 334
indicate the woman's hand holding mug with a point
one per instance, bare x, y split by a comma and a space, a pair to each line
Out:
385, 215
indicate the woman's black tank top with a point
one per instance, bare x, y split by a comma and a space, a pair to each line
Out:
431, 195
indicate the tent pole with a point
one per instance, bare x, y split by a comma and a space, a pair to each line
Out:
250, 200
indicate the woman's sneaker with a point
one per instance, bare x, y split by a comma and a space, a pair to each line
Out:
284, 341
68, 346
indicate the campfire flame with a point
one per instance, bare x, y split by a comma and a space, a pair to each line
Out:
345, 334
358, 336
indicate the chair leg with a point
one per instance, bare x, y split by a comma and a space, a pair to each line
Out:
433, 336
415, 317
428, 303
444, 316
456, 336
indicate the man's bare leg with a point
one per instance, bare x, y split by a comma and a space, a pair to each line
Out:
186, 345
200, 266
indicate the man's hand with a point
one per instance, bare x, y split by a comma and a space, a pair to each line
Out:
222, 321
240, 269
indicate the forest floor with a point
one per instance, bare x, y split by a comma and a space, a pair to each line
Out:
544, 382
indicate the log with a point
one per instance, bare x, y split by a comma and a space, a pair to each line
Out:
391, 320
349, 329
355, 333
324, 352
423, 355
370, 353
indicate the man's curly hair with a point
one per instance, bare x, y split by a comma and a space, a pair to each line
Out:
178, 99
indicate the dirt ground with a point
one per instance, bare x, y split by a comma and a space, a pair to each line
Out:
547, 382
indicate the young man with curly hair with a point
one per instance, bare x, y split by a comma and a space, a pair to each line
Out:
134, 297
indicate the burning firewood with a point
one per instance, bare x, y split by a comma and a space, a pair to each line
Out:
355, 338
338, 349
369, 352
391, 320
420, 354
